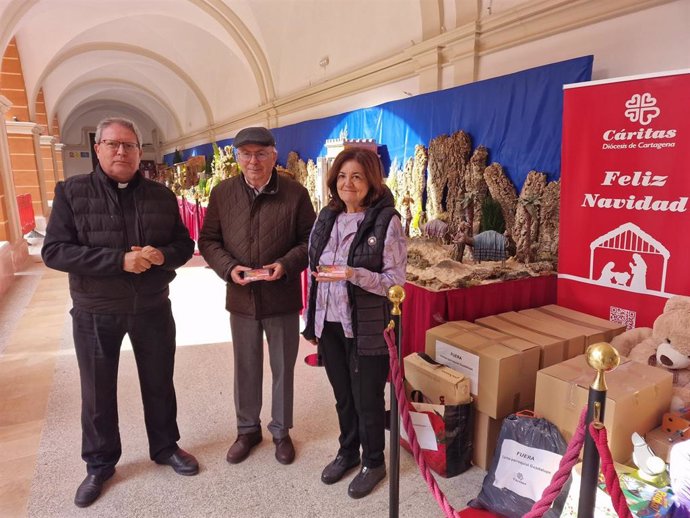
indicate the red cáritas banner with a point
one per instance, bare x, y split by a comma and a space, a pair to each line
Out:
625, 189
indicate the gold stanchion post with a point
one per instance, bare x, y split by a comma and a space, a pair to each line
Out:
603, 358
396, 294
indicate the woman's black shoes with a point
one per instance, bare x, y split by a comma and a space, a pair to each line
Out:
337, 469
366, 480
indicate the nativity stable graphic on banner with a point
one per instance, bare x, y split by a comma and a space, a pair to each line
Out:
625, 184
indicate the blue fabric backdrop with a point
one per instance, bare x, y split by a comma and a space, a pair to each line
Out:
518, 117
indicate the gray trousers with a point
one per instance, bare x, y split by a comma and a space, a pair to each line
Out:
282, 335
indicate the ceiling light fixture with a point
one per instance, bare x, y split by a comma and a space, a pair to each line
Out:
323, 63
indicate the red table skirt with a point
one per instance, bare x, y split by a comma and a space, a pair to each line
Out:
424, 309
192, 214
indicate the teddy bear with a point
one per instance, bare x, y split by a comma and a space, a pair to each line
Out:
666, 345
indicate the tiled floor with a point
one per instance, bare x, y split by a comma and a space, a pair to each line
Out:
32, 324
26, 374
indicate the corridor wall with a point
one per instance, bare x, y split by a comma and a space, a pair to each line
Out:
518, 117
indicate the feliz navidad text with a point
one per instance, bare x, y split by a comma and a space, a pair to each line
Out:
646, 180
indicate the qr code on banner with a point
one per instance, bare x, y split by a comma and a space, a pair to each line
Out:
622, 316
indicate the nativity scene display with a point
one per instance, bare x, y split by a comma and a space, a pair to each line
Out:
466, 221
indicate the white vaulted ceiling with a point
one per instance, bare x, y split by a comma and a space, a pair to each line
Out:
191, 65
197, 70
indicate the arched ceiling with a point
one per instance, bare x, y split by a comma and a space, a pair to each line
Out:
190, 66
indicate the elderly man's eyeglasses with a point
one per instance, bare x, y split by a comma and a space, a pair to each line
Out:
245, 156
114, 145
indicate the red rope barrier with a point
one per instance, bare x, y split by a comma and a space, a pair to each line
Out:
559, 479
404, 408
561, 476
613, 486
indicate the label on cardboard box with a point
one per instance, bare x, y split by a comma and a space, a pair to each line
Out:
524, 470
461, 361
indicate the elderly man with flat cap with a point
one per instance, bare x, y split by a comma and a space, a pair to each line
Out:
255, 237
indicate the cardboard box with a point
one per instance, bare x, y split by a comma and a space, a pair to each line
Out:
530, 350
574, 339
440, 385
610, 329
552, 349
486, 430
661, 441
636, 399
592, 335
502, 377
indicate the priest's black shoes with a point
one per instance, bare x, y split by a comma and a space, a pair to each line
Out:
366, 480
337, 469
90, 489
182, 462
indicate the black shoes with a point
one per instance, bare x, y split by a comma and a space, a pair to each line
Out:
366, 480
337, 469
242, 446
90, 489
285, 450
182, 462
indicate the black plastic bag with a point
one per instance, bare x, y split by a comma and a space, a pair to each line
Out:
528, 452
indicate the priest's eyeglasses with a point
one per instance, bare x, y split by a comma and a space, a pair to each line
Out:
114, 145
245, 156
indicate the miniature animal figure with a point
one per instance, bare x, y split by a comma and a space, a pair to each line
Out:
486, 246
437, 229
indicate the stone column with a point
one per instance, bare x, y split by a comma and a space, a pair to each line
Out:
14, 254
11, 229
48, 161
25, 153
58, 157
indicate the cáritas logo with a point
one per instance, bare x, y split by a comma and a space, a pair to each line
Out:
641, 108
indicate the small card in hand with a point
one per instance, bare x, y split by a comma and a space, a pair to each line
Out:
333, 271
257, 274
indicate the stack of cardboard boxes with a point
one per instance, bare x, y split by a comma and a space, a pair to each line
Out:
636, 399
533, 359
502, 371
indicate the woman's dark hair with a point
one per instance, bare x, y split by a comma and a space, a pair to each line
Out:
373, 172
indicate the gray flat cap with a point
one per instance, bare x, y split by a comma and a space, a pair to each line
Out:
255, 135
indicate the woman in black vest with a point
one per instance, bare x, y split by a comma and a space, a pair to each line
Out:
357, 251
